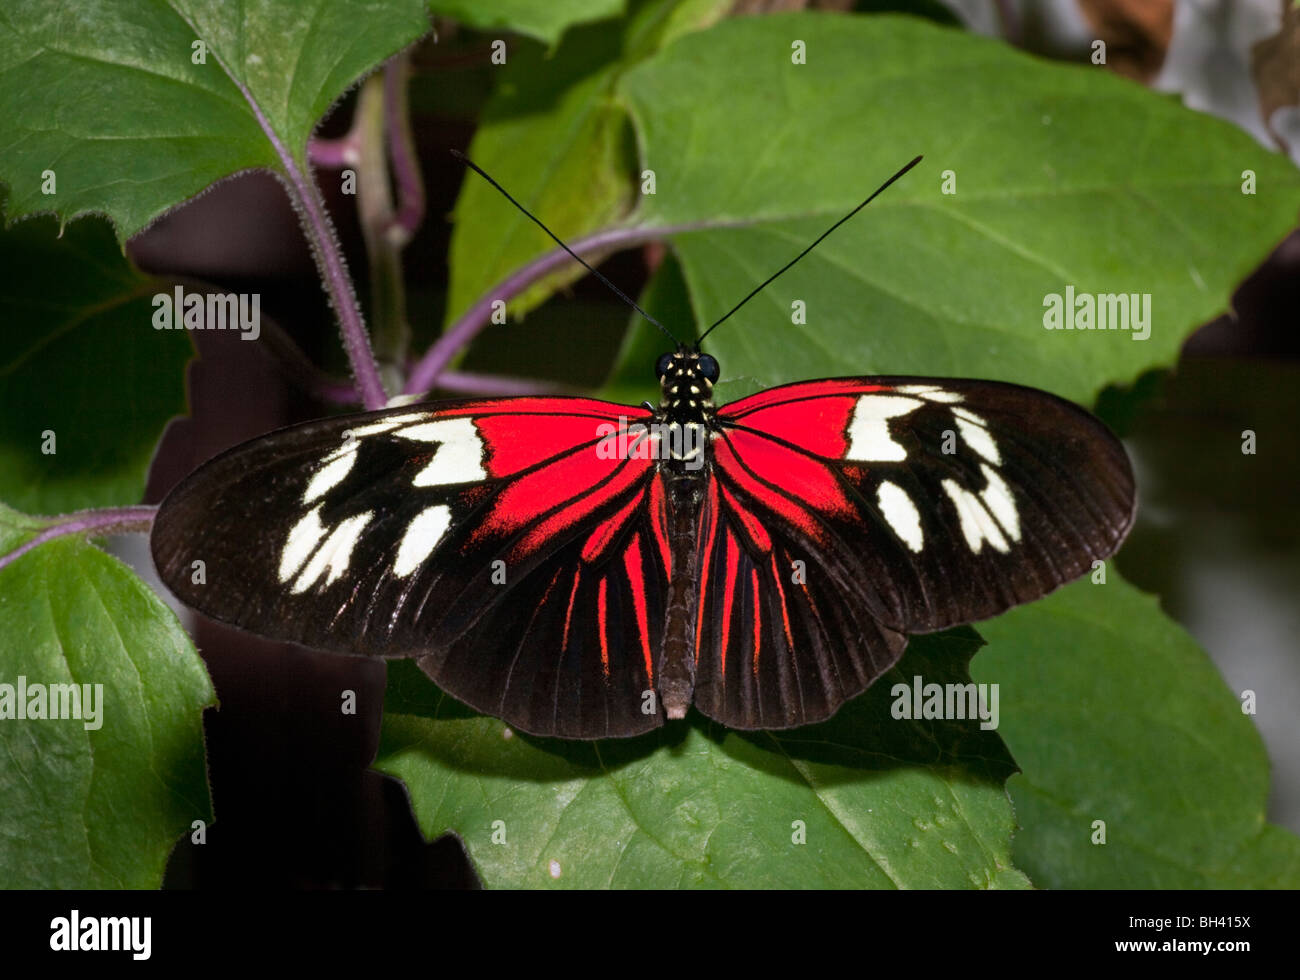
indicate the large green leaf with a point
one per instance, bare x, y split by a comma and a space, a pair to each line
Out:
99, 807
545, 20
553, 135
106, 93
82, 372
1115, 714
666, 298
884, 803
1065, 177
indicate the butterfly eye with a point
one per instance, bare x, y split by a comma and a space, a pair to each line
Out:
708, 368
663, 364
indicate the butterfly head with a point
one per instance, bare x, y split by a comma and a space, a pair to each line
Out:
686, 380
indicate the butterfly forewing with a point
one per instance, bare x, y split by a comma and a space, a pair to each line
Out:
941, 501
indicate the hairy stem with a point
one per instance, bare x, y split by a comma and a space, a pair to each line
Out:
329, 260
325, 250
117, 520
333, 154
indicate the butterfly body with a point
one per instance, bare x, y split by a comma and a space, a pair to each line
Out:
685, 410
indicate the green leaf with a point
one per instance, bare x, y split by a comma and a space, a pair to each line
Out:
110, 99
83, 372
666, 299
883, 803
553, 136
1115, 714
544, 21
97, 808
1065, 177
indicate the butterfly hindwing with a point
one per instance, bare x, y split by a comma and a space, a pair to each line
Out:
780, 642
940, 501
573, 647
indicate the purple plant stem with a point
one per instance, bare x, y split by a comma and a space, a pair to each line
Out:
401, 148
430, 367
329, 260
117, 520
334, 154
472, 383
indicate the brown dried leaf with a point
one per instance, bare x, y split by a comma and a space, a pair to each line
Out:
1136, 33
1275, 65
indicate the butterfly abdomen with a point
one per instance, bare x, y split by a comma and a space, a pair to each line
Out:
677, 663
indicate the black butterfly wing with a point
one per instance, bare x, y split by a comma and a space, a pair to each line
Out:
492, 541
913, 504
573, 648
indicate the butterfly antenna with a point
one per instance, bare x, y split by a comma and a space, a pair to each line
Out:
759, 288
578, 258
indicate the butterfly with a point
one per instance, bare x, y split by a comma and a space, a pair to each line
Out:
584, 569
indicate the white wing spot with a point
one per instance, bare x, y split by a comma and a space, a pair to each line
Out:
975, 430
931, 393
387, 425
339, 462
977, 524
555, 869
302, 541
869, 439
901, 513
335, 553
332, 473
459, 458
349, 445
997, 495
421, 537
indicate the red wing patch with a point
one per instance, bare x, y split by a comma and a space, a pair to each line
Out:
517, 441
575, 509
659, 519
753, 527
607, 530
636, 572
798, 392
785, 480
